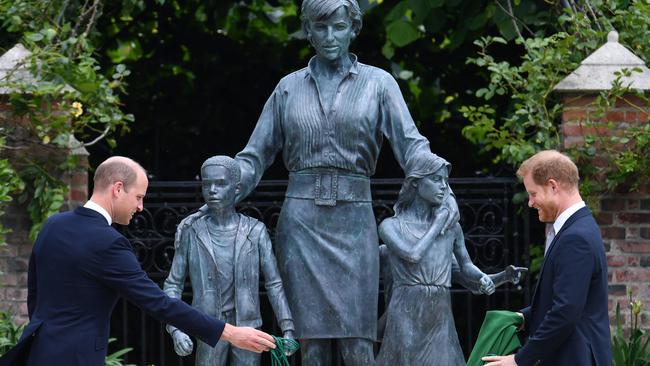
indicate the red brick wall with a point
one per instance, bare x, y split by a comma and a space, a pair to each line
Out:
624, 218
14, 257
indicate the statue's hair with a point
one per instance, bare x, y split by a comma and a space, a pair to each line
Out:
315, 10
227, 162
116, 169
549, 164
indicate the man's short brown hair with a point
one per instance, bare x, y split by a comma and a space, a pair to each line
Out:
116, 169
549, 164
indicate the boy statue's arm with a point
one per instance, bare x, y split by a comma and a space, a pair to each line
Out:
273, 282
174, 283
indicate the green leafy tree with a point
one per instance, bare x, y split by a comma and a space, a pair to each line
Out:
68, 94
216, 63
528, 121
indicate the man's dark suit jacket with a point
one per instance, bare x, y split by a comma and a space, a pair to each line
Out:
567, 319
78, 269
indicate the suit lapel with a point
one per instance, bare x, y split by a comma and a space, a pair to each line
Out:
203, 234
570, 221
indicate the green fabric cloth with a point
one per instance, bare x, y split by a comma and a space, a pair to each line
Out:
498, 336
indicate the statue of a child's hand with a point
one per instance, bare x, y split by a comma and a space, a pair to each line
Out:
486, 285
289, 335
182, 343
453, 213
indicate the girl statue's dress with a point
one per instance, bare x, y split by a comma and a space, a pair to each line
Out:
420, 326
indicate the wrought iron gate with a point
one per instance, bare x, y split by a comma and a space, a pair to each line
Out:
496, 235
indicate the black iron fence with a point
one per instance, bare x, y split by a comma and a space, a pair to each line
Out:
496, 234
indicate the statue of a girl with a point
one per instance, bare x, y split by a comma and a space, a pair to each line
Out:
420, 326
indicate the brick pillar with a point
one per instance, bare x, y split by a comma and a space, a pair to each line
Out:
624, 217
14, 257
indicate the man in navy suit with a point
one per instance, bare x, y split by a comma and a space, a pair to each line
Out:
80, 266
567, 321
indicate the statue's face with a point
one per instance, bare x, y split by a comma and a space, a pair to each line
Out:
331, 36
433, 187
218, 187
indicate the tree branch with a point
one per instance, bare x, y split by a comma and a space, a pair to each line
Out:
593, 14
514, 19
573, 6
96, 140
62, 12
81, 18
93, 17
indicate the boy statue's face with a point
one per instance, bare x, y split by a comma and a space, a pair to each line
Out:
219, 189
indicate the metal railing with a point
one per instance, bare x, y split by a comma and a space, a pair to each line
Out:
495, 236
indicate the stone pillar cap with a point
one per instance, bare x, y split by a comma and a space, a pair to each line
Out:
13, 68
596, 72
76, 147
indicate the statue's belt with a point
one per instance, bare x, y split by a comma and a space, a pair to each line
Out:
326, 187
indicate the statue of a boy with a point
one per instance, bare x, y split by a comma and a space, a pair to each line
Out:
224, 253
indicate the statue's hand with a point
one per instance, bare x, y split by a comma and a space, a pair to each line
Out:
182, 343
515, 274
486, 285
453, 213
439, 221
193, 217
289, 335
511, 274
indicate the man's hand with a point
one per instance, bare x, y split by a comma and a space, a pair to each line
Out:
248, 338
289, 335
182, 343
499, 360
523, 321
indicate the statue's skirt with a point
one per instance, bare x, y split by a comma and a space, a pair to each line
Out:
329, 261
420, 328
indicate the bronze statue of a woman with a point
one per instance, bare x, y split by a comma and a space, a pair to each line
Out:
329, 120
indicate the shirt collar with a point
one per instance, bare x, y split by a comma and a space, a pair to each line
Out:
354, 69
559, 222
96, 207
